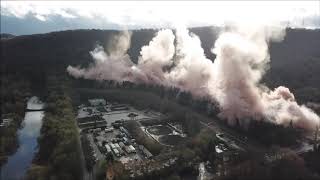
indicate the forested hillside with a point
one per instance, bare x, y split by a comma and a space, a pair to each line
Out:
295, 62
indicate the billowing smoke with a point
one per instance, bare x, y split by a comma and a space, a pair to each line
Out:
156, 57
192, 71
242, 58
280, 107
232, 80
113, 65
242, 55
116, 65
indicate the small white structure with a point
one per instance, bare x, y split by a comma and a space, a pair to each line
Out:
132, 149
108, 148
109, 129
116, 152
112, 146
97, 102
117, 145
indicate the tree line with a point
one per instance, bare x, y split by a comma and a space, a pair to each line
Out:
14, 92
58, 156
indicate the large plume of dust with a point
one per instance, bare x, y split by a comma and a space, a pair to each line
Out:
192, 71
242, 55
242, 59
232, 80
113, 65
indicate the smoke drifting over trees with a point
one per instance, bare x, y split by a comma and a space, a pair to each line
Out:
232, 79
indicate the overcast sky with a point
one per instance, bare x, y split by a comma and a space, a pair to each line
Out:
39, 17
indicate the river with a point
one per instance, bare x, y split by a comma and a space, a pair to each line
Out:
18, 163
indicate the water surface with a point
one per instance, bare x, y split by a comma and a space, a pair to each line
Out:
18, 163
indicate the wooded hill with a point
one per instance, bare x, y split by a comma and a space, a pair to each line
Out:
295, 62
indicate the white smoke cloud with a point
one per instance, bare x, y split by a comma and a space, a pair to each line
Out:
118, 66
114, 65
281, 108
232, 80
242, 56
119, 44
156, 56
192, 71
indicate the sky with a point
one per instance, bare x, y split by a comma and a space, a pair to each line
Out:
30, 17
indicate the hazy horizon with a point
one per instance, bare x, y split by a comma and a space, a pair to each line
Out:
33, 17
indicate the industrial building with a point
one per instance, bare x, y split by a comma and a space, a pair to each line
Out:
97, 102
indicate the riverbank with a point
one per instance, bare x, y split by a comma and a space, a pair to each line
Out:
18, 163
14, 92
59, 155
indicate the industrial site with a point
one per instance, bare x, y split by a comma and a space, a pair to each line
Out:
105, 126
108, 131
